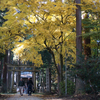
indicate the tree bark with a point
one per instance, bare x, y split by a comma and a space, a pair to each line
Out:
61, 63
79, 84
59, 79
1, 61
78, 32
4, 88
9, 72
58, 68
58, 72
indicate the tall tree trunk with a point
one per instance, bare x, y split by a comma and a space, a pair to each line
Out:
57, 68
59, 79
4, 89
0, 73
53, 56
61, 73
79, 83
78, 32
9, 72
61, 68
0, 70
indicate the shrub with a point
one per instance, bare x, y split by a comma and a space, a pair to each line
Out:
70, 87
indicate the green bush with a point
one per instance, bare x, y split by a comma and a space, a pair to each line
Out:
70, 87
62, 87
89, 71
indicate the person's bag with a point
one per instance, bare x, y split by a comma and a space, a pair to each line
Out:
17, 89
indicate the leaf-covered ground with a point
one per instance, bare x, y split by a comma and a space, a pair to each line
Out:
75, 97
4, 96
47, 97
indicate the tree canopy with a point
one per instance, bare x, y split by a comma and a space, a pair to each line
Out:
44, 21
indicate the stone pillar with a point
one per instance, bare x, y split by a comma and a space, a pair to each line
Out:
18, 76
17, 79
40, 82
19, 73
12, 81
36, 80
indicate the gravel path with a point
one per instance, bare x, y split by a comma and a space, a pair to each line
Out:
24, 97
33, 97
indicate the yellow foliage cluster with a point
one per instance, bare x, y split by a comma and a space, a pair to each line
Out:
49, 23
93, 5
43, 20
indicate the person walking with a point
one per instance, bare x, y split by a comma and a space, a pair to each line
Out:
26, 88
29, 85
21, 84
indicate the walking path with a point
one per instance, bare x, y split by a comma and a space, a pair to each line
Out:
33, 97
24, 97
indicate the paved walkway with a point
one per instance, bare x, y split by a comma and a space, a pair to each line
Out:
24, 97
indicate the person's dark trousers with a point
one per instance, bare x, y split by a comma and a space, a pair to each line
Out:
29, 88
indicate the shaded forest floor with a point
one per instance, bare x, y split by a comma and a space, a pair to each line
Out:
54, 97
69, 97
5, 96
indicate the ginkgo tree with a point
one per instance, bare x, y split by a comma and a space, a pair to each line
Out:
50, 25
